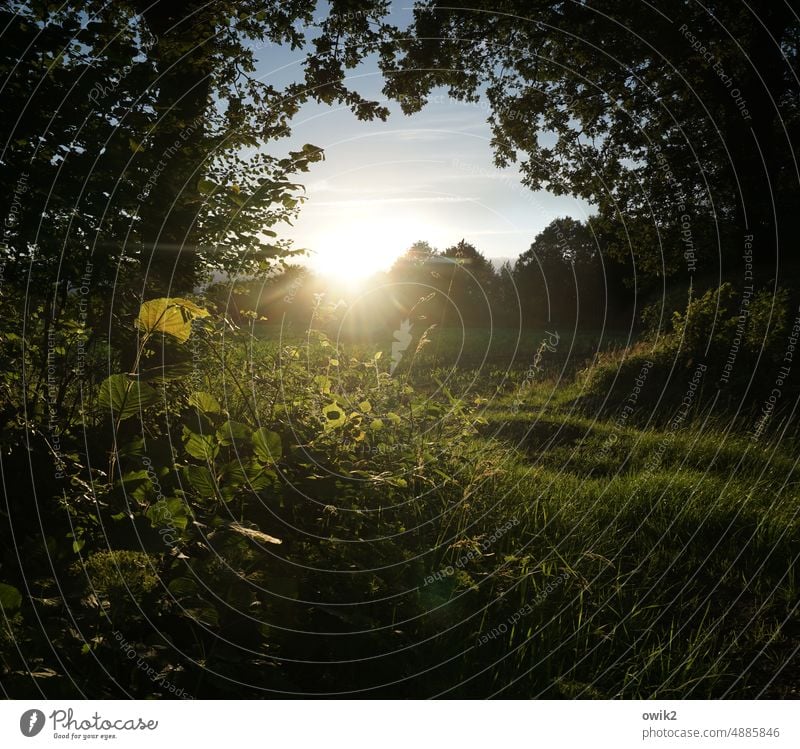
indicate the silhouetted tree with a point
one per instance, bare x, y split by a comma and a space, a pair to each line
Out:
133, 130
679, 120
470, 285
565, 278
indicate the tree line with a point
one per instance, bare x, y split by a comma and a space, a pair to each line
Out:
564, 279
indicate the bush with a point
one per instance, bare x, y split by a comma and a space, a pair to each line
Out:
739, 337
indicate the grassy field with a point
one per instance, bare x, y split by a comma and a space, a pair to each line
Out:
679, 550
587, 553
292, 519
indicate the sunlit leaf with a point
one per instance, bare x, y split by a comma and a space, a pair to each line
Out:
267, 445
206, 186
200, 446
201, 480
233, 431
324, 383
169, 513
334, 416
205, 402
169, 315
365, 406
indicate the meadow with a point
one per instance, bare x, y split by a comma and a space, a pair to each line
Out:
407, 352
481, 516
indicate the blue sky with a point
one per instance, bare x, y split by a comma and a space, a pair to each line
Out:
384, 185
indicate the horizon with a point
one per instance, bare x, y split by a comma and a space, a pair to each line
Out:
428, 177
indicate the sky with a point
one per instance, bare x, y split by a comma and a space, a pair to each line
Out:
428, 176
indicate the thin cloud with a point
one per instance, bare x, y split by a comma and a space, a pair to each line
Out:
392, 201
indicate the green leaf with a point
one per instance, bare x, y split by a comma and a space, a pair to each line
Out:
334, 416
125, 396
324, 383
205, 402
200, 446
205, 614
267, 445
206, 186
182, 587
236, 476
167, 372
233, 431
135, 477
169, 315
133, 447
10, 597
169, 513
202, 480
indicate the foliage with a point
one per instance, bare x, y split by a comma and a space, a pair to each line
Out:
274, 484
138, 134
645, 113
741, 338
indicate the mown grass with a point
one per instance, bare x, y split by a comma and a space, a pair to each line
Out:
680, 570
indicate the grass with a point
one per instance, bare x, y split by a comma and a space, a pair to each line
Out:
545, 547
646, 561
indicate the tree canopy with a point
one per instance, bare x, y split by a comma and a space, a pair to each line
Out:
676, 119
138, 131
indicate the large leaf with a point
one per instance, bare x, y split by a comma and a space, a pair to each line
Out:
204, 613
182, 587
136, 485
267, 445
169, 315
200, 446
201, 480
205, 402
125, 396
11, 598
237, 476
233, 431
167, 372
169, 513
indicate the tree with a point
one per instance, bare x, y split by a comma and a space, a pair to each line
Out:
138, 130
678, 120
414, 277
566, 278
470, 286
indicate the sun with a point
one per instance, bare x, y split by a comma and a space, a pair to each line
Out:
354, 251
